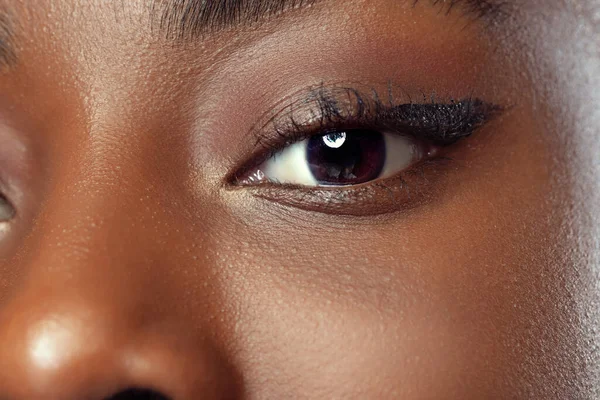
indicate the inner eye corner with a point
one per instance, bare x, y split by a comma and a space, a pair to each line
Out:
239, 178
8, 211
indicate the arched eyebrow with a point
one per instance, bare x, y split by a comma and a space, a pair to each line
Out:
190, 18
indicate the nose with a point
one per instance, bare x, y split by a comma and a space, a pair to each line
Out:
107, 322
52, 350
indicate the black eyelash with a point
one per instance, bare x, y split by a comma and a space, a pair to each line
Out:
328, 110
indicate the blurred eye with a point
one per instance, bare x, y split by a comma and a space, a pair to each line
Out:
7, 211
341, 158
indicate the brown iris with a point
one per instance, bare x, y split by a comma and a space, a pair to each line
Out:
346, 158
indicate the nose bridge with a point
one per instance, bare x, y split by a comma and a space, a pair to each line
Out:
93, 313
107, 208
96, 229
64, 347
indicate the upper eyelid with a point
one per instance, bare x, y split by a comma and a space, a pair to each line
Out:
305, 97
282, 128
288, 114
342, 106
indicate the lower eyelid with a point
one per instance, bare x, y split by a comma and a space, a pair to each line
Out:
401, 192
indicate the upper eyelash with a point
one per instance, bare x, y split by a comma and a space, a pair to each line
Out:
327, 110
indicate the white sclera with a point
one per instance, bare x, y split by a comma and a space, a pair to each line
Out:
401, 153
290, 166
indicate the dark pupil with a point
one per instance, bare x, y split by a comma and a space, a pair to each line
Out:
346, 158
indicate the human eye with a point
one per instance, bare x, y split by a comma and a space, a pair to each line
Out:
7, 211
340, 146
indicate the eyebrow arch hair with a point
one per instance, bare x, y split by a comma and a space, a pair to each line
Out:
184, 18
192, 18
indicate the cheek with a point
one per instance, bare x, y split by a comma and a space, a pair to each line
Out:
325, 348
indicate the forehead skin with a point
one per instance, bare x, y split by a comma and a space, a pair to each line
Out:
133, 263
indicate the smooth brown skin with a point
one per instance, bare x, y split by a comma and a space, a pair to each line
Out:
133, 263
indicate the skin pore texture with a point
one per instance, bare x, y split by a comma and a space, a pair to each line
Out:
134, 259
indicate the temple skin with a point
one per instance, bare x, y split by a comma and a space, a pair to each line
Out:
134, 261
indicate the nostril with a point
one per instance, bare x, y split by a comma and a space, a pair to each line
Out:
138, 394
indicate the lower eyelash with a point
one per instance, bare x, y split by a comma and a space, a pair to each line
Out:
401, 192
